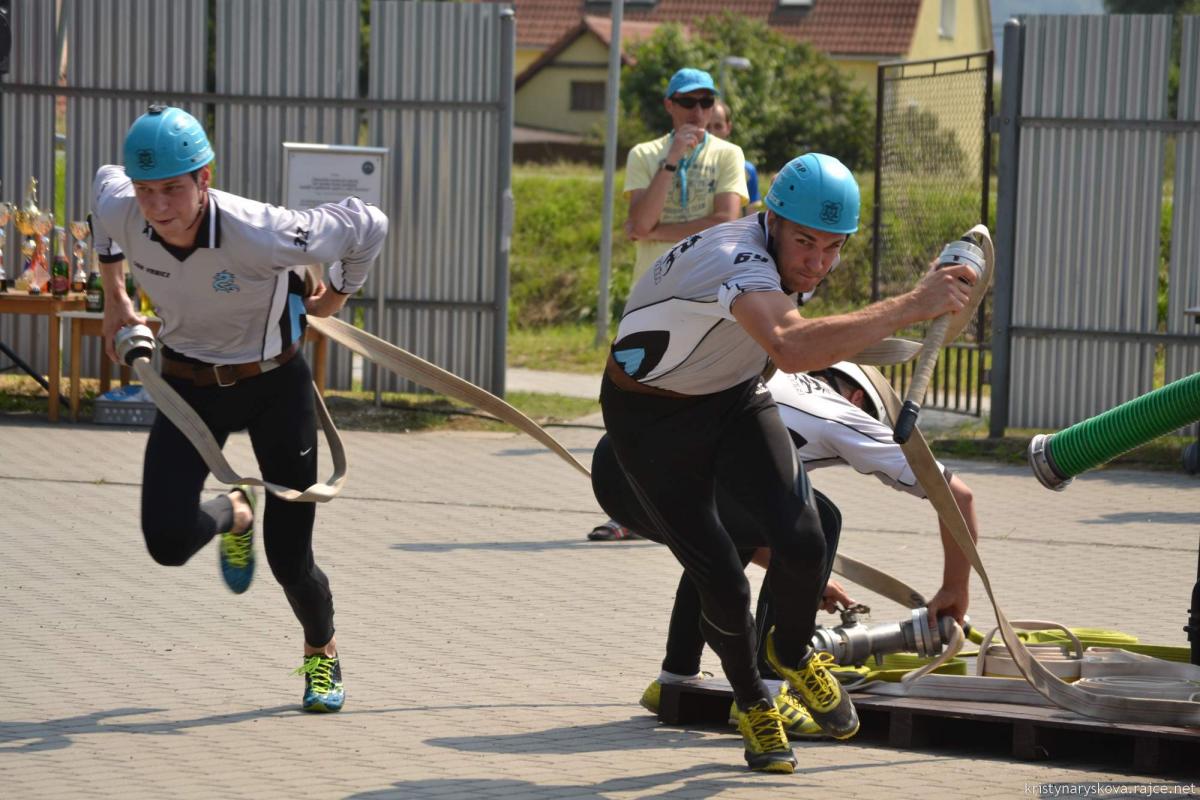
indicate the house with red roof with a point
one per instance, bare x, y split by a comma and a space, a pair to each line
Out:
563, 45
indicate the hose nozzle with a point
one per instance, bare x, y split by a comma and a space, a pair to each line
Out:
134, 342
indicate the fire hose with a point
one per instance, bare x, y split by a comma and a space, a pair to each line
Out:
135, 345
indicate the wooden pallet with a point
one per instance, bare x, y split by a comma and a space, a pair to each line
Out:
1030, 733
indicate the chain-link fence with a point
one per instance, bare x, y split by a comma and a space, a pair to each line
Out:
932, 176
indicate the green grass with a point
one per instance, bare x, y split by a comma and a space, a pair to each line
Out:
559, 348
60, 188
1163, 453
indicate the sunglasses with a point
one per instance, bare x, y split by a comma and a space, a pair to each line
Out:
690, 102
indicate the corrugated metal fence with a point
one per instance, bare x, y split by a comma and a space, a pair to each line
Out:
1084, 131
438, 94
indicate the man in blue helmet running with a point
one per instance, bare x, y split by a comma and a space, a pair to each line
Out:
226, 274
685, 409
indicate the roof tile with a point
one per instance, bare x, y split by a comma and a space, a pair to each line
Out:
879, 27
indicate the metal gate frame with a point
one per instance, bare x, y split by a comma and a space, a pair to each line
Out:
940, 394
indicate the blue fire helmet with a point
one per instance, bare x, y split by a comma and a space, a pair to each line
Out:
165, 142
817, 191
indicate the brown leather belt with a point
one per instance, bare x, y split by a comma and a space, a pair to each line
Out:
225, 375
622, 381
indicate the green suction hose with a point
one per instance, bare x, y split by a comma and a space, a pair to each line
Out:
1057, 457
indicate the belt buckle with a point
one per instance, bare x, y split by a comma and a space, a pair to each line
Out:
216, 368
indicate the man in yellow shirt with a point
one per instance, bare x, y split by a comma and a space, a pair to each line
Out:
686, 181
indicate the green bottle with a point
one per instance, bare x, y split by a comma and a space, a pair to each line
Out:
95, 292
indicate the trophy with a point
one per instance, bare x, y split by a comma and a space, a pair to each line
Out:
79, 232
35, 225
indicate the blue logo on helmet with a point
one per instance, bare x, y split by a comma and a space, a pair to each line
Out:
831, 212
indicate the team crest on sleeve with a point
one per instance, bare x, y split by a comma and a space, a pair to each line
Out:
225, 282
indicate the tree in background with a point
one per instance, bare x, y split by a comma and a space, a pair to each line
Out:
791, 100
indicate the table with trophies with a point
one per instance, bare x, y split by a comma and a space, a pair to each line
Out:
41, 288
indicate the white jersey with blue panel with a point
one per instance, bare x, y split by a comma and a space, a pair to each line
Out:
237, 296
828, 429
678, 332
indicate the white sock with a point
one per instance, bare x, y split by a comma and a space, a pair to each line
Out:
671, 677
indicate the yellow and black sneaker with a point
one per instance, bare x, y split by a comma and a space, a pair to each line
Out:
797, 722
236, 553
652, 697
323, 689
818, 690
767, 748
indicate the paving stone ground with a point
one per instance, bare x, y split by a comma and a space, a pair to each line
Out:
489, 650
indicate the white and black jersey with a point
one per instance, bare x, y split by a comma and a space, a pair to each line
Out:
235, 297
678, 332
828, 429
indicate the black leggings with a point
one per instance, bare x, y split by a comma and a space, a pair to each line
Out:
685, 641
276, 408
675, 451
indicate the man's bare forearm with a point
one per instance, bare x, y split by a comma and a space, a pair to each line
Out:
647, 208
674, 231
112, 275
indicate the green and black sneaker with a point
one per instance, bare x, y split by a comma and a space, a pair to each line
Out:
323, 690
237, 549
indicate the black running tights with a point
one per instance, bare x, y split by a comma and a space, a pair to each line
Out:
276, 408
674, 452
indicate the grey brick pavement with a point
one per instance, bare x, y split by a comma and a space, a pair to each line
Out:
489, 650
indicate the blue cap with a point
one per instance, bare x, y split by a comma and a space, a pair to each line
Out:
689, 80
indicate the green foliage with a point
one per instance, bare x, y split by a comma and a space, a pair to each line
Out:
791, 100
930, 149
556, 244
555, 262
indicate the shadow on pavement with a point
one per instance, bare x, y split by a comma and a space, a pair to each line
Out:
694, 784
1161, 517
57, 734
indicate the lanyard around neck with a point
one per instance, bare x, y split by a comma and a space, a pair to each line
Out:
682, 169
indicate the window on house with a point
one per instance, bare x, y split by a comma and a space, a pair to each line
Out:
946, 26
587, 95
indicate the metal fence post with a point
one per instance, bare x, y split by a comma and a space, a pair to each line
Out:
1006, 222
504, 206
877, 211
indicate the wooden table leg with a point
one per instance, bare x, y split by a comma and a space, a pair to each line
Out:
54, 371
76, 357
